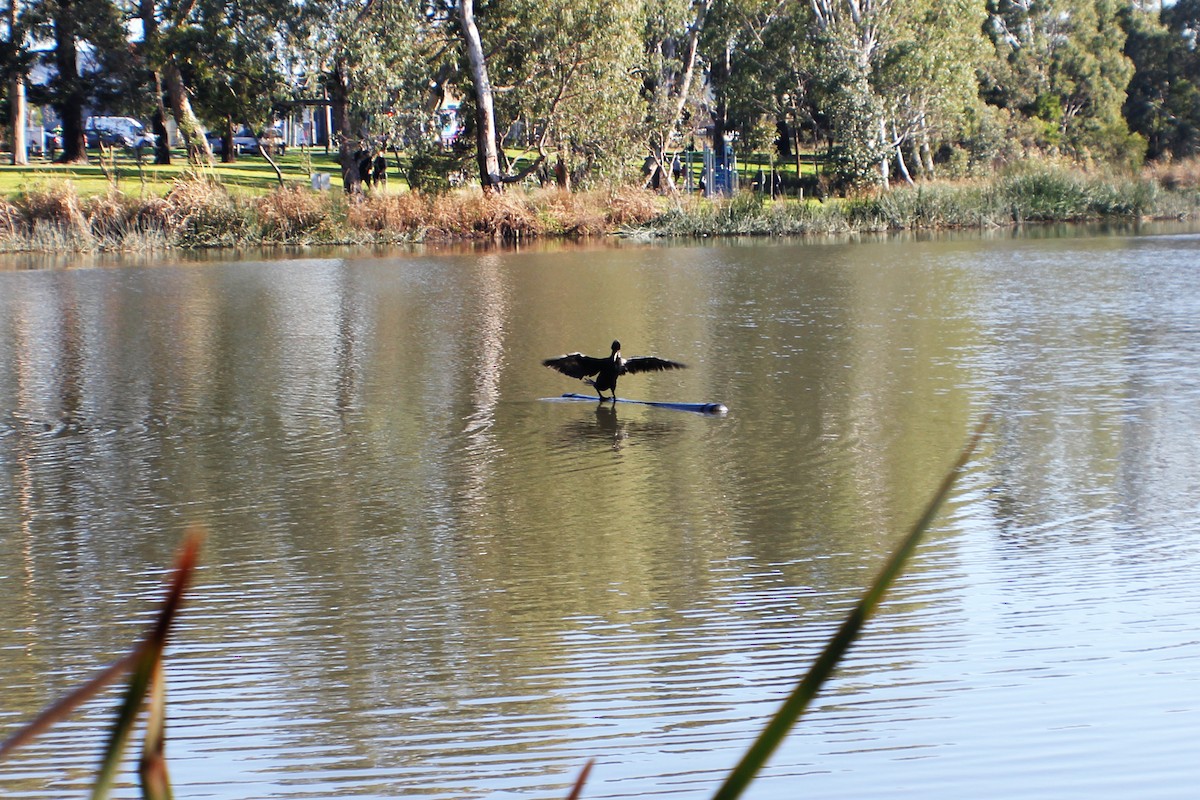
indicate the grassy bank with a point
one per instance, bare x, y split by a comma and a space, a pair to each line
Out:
242, 205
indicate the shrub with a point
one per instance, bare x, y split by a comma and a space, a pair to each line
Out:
629, 205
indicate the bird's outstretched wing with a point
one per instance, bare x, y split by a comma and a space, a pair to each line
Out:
650, 364
577, 365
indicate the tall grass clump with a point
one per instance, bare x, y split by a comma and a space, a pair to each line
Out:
1179, 183
507, 216
1176, 176
391, 217
123, 222
561, 212
1054, 194
202, 213
627, 206
926, 206
52, 218
749, 215
294, 215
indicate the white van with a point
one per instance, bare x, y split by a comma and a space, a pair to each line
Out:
116, 131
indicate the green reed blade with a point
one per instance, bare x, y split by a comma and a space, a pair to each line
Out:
127, 714
148, 658
60, 709
156, 781
804, 693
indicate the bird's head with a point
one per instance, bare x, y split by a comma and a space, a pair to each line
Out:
616, 345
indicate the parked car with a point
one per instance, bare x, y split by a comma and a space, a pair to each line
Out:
272, 141
244, 142
116, 132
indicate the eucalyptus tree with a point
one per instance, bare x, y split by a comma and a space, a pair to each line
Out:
737, 50
850, 38
94, 26
169, 35
232, 71
1061, 63
1163, 102
361, 52
16, 60
885, 80
926, 78
788, 56
561, 81
671, 93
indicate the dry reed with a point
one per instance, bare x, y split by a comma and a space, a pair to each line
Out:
200, 212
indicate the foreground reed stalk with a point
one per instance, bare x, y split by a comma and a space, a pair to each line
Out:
804, 693
144, 662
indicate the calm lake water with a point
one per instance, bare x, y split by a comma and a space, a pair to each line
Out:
425, 578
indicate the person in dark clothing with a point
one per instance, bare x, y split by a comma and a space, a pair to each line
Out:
379, 170
363, 158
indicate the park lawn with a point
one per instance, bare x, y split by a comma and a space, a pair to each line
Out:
249, 174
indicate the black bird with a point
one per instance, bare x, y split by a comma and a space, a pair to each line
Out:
607, 370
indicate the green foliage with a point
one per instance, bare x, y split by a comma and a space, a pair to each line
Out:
1061, 62
1163, 102
430, 171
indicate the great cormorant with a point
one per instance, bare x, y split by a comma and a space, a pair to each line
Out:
607, 370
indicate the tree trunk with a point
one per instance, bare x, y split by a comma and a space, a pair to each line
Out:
339, 112
17, 106
485, 113
799, 156
562, 176
900, 164
659, 153
68, 101
185, 119
228, 151
719, 71
884, 156
158, 122
16, 94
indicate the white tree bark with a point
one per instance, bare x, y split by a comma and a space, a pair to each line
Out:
485, 112
16, 89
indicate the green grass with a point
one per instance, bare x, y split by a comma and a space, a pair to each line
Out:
249, 174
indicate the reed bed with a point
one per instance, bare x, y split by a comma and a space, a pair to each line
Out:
1035, 195
201, 212
198, 212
